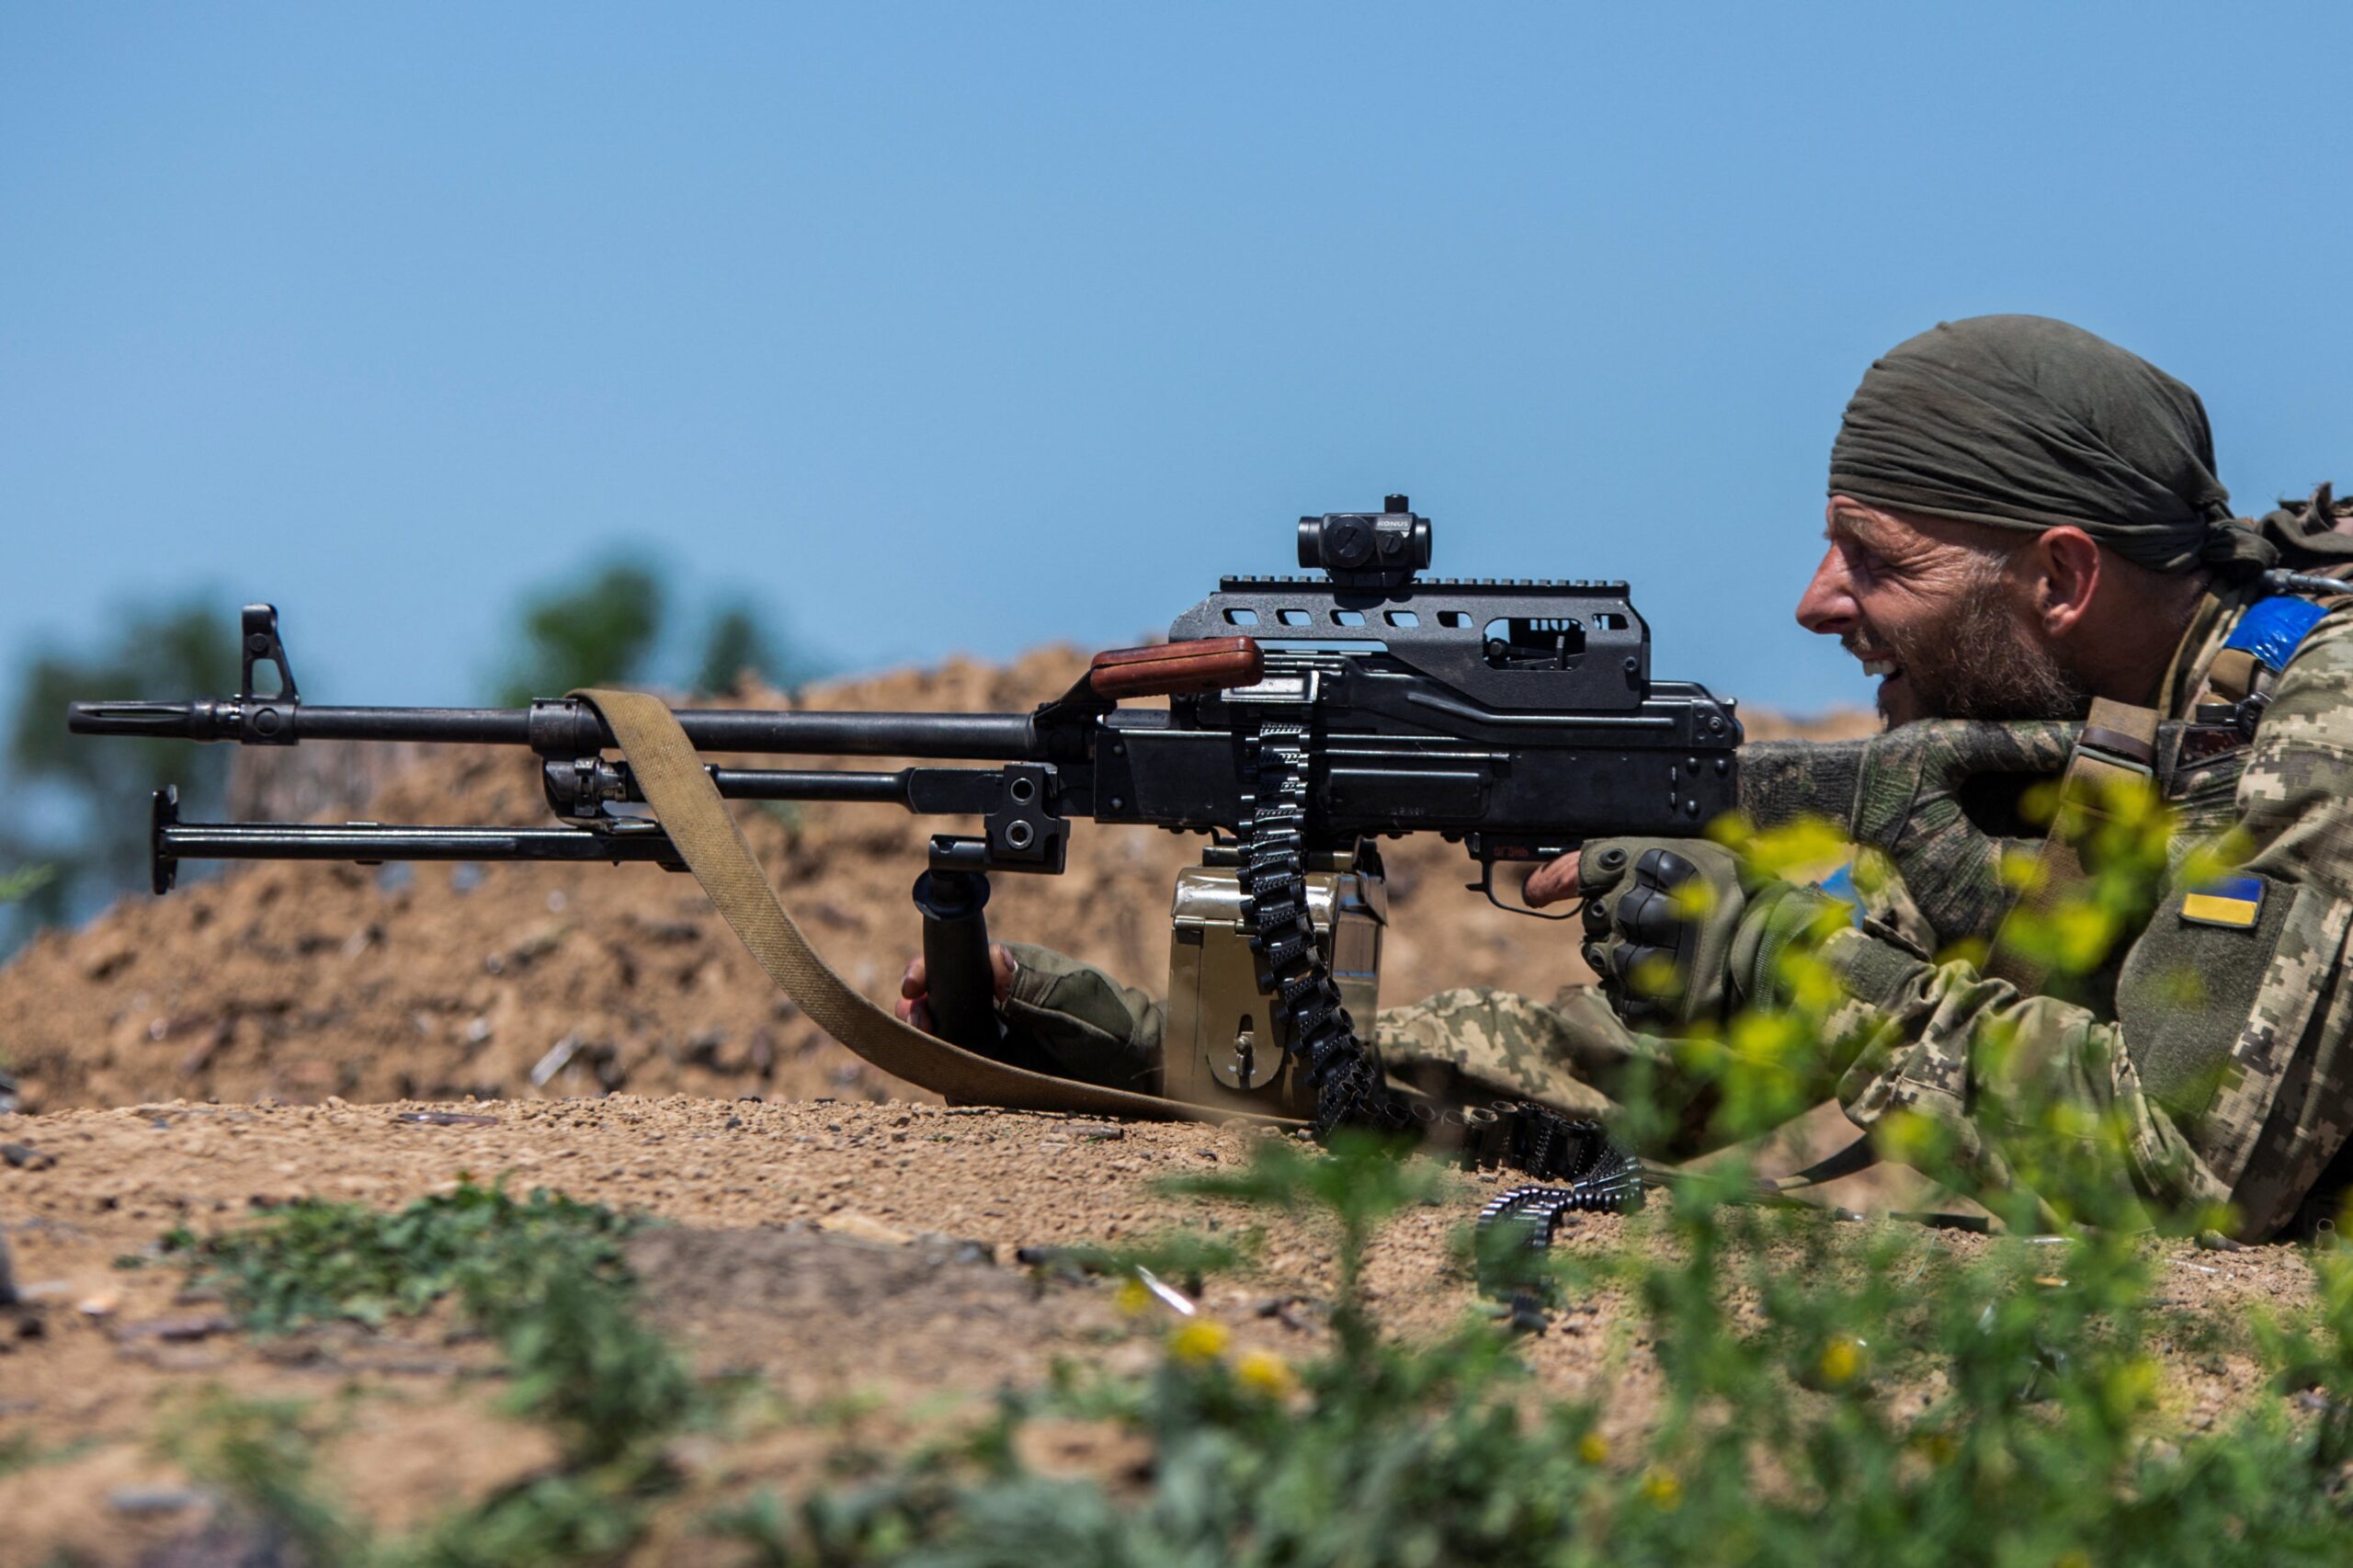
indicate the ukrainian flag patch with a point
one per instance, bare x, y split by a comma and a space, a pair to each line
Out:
2235, 903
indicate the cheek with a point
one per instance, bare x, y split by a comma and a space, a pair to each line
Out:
1903, 611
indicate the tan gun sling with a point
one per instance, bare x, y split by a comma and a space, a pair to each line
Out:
689, 806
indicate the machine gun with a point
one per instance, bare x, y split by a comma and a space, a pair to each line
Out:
1306, 717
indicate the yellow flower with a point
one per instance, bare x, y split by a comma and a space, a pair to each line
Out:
1203, 1340
1266, 1372
2084, 934
1661, 1488
1905, 1135
1592, 1448
1808, 844
2133, 1387
1970, 950
1133, 1298
1767, 1038
1653, 976
1937, 1448
1841, 1359
1695, 899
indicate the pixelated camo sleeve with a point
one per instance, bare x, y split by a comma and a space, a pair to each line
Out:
2227, 1067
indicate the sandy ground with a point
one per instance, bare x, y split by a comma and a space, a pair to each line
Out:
845, 1252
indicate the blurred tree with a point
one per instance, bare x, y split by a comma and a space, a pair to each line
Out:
24, 881
595, 632
734, 646
98, 790
739, 642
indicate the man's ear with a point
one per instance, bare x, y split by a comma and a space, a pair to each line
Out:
2067, 564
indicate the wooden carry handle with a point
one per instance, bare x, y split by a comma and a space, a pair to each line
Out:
1176, 669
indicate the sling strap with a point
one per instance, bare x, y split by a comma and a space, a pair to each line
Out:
2118, 743
689, 806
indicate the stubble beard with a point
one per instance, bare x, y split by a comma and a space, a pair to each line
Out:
1980, 661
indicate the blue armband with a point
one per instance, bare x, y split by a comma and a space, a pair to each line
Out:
2271, 629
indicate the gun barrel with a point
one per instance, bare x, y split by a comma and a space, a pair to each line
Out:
761, 784
164, 720
370, 842
568, 727
283, 723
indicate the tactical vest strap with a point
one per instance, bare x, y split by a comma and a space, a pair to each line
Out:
2118, 743
690, 808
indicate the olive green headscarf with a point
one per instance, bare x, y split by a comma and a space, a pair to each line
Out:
2025, 423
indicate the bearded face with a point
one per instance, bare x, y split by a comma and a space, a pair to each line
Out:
1938, 613
1975, 659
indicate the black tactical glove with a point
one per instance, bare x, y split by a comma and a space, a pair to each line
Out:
1682, 931
1659, 918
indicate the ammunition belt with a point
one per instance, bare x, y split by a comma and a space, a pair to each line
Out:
1541, 1211
1342, 1067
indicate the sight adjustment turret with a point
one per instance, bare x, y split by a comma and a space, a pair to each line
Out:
1367, 550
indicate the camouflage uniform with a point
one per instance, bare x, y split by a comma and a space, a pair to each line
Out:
1477, 1043
1464, 1045
2220, 1053
2235, 1088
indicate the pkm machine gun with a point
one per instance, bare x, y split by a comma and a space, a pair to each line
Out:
1307, 717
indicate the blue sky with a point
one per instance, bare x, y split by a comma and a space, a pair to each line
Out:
947, 328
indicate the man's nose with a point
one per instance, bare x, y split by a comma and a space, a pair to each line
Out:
1828, 606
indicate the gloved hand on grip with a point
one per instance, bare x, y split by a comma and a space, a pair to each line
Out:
1683, 931
1659, 918
1087, 1025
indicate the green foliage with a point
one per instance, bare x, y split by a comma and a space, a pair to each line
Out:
315, 1261
584, 1366
1833, 1393
1359, 1183
604, 627
595, 632
1827, 1391
155, 651
260, 1452
544, 1274
733, 646
24, 881
21, 1451
1178, 1255
570, 1516
740, 641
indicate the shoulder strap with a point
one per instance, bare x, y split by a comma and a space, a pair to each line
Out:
689, 809
2118, 743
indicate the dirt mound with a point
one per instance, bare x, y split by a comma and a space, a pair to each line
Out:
298, 982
